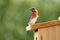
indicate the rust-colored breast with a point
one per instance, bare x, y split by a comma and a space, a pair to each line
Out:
34, 14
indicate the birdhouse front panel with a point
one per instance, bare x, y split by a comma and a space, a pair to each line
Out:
50, 33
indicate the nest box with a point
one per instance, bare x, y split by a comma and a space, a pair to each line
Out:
47, 30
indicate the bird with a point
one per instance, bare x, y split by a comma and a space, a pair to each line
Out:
32, 17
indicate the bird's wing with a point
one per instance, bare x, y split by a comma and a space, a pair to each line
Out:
29, 17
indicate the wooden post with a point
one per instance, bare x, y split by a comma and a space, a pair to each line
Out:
47, 30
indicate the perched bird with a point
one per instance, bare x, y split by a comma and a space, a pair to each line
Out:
32, 17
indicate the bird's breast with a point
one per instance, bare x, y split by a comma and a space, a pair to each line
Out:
34, 14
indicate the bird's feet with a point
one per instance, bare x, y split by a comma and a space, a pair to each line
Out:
28, 28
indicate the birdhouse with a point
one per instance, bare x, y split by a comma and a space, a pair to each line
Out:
47, 30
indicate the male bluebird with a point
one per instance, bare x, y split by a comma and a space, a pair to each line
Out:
32, 18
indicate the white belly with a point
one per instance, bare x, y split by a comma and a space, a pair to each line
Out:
32, 21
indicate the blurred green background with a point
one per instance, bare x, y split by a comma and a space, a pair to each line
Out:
14, 15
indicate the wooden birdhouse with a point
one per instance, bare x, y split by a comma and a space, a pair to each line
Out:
47, 30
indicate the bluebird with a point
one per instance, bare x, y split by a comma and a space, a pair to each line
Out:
32, 17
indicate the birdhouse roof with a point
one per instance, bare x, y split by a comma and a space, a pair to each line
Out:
45, 24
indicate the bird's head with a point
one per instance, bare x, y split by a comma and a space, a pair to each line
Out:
33, 9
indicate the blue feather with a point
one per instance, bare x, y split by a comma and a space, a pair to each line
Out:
29, 17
